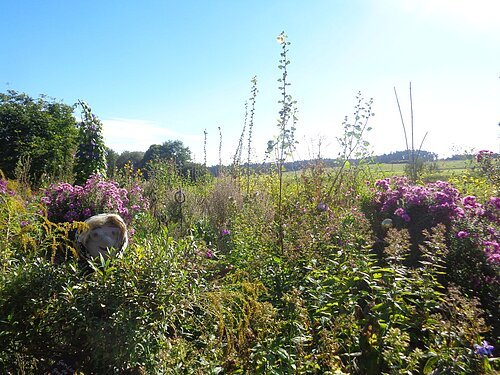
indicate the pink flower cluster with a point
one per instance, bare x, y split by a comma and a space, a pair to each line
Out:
440, 201
484, 154
4, 189
66, 202
397, 196
484, 219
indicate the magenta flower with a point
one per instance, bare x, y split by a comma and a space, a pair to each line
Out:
66, 202
402, 214
462, 234
481, 155
492, 251
225, 232
383, 184
3, 186
470, 200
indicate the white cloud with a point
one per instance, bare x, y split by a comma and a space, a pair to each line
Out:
137, 135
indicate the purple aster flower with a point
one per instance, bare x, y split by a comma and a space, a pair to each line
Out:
470, 200
484, 350
322, 207
3, 186
225, 232
495, 202
24, 223
462, 234
209, 254
482, 154
402, 214
383, 184
492, 251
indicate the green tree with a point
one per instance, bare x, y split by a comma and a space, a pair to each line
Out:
169, 151
41, 130
111, 160
132, 157
91, 153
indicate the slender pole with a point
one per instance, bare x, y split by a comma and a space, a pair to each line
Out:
402, 121
414, 167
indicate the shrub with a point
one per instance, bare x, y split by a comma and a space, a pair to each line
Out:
66, 202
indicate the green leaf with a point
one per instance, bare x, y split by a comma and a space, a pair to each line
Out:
430, 364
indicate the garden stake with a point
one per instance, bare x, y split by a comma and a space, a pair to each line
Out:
180, 198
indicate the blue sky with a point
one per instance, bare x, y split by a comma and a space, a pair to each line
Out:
160, 70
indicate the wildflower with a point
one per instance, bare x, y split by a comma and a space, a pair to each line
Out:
24, 223
481, 155
494, 202
462, 234
469, 200
209, 254
280, 38
322, 207
483, 350
383, 184
402, 214
492, 251
225, 232
3, 186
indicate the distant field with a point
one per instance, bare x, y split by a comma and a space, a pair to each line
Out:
443, 168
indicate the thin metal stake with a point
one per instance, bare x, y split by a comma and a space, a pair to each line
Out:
180, 198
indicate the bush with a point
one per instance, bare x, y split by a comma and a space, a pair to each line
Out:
66, 202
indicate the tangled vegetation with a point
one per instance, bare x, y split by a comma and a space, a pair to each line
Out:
344, 294
326, 271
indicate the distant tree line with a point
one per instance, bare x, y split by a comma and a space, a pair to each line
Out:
397, 157
404, 157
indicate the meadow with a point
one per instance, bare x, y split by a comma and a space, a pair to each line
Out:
253, 274
359, 269
440, 169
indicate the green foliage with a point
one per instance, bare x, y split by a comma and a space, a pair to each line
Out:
174, 151
42, 130
129, 157
353, 145
225, 298
488, 166
91, 152
111, 159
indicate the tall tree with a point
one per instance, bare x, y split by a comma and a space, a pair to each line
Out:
40, 130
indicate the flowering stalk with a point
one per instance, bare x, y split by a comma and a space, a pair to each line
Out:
91, 153
250, 128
